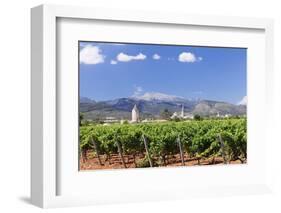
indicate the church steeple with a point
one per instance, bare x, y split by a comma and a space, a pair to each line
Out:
135, 114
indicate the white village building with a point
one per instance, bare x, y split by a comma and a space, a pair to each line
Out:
175, 115
135, 115
182, 114
110, 119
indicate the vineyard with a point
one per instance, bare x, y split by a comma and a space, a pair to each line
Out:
163, 144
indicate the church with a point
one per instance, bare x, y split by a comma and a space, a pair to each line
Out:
135, 115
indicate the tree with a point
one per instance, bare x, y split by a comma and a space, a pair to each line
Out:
81, 117
197, 117
176, 119
126, 122
165, 114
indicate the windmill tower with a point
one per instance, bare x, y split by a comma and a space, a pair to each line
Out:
135, 115
182, 111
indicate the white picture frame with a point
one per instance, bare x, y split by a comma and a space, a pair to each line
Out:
45, 171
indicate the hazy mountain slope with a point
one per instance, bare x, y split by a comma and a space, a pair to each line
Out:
152, 104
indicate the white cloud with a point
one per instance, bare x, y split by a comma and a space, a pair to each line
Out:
91, 55
148, 96
126, 58
188, 57
156, 56
113, 62
244, 101
137, 91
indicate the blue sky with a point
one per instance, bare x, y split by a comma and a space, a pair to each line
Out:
112, 70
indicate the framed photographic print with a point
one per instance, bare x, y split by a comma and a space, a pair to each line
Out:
151, 106
129, 119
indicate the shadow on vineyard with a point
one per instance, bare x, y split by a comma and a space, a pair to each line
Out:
186, 143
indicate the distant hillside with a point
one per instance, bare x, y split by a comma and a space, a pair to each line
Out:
151, 105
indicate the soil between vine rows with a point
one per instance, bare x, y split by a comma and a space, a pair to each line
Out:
92, 162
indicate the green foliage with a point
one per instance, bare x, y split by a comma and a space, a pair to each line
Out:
166, 114
197, 117
81, 117
126, 122
143, 163
199, 138
176, 119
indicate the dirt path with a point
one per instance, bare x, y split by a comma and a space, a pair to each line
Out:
115, 162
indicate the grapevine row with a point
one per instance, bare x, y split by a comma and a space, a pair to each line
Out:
199, 139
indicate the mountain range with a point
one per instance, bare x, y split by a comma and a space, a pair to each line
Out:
152, 104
